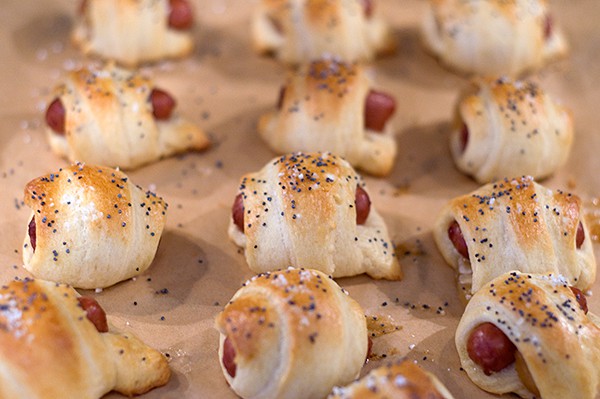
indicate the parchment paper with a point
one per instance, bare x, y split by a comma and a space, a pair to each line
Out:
225, 87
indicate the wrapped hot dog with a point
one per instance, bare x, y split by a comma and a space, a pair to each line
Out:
132, 32
55, 344
116, 117
510, 128
299, 31
332, 105
531, 334
515, 224
401, 379
493, 37
292, 334
311, 208
90, 227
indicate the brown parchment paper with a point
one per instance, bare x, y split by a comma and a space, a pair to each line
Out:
225, 87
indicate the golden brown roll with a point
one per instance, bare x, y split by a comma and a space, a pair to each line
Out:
311, 209
401, 379
134, 31
292, 333
297, 31
50, 349
530, 334
507, 128
515, 224
90, 227
329, 104
492, 37
115, 117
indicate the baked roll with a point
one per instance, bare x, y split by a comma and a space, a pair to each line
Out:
50, 349
112, 116
292, 333
515, 225
507, 128
329, 104
132, 32
311, 209
492, 37
530, 334
298, 31
90, 227
401, 379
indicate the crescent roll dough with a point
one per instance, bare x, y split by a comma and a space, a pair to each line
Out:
510, 129
398, 380
492, 37
297, 31
109, 121
300, 209
90, 227
49, 349
558, 342
516, 225
323, 107
130, 31
291, 334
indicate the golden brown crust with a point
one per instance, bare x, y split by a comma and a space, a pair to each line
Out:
50, 349
130, 32
300, 209
323, 107
86, 219
139, 368
299, 31
109, 121
328, 82
514, 129
517, 225
401, 379
491, 38
541, 316
292, 326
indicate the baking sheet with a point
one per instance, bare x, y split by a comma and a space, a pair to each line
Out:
225, 87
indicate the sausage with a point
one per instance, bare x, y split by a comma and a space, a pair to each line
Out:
55, 116
379, 107
162, 104
31, 230
548, 27
362, 202
281, 97
237, 212
94, 313
490, 349
181, 16
581, 299
367, 6
458, 240
580, 236
229, 357
464, 138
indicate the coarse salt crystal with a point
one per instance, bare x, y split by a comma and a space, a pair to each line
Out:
400, 381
